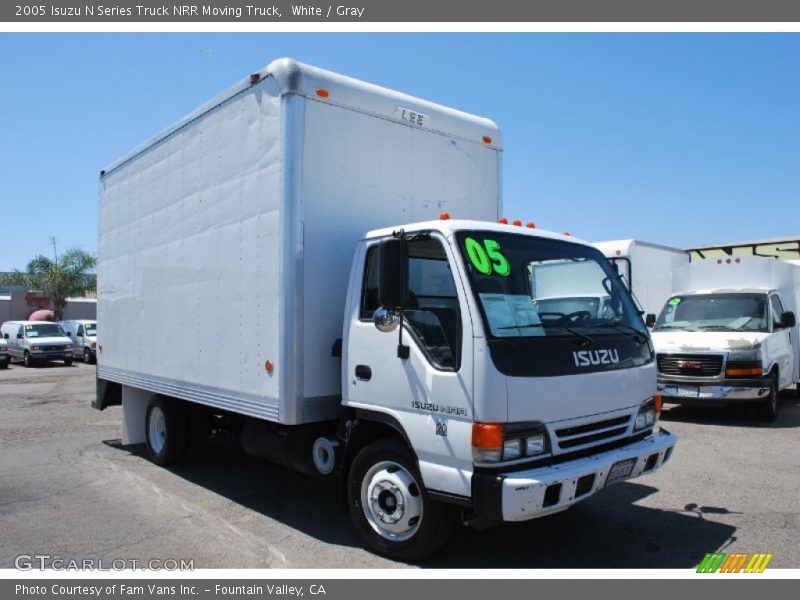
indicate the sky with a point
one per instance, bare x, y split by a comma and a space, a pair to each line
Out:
677, 139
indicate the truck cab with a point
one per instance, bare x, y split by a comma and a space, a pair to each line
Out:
724, 346
83, 333
508, 412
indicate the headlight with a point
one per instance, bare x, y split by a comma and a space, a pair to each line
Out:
743, 364
34, 348
496, 442
648, 414
754, 354
69, 346
94, 345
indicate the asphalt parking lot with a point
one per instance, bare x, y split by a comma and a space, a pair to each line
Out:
68, 489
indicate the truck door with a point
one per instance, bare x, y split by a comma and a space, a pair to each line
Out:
429, 393
780, 343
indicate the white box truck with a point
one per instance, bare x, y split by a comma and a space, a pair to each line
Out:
282, 263
647, 269
729, 333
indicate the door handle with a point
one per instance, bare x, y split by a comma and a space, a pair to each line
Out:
363, 372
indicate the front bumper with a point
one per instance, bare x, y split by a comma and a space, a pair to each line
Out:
717, 392
525, 495
59, 354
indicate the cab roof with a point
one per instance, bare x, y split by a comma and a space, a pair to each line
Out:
448, 227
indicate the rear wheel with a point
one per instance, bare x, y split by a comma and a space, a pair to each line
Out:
769, 408
166, 431
389, 505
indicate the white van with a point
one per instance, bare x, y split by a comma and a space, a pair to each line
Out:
37, 341
83, 333
731, 334
5, 357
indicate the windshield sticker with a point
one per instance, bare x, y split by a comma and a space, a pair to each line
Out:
487, 257
674, 301
511, 315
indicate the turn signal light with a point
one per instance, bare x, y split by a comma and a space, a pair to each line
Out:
658, 402
743, 368
487, 435
487, 139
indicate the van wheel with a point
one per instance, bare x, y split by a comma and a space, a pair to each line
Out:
390, 507
27, 360
68, 362
4, 364
166, 431
87, 357
769, 408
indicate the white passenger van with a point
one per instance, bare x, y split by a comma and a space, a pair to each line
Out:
83, 333
730, 333
37, 341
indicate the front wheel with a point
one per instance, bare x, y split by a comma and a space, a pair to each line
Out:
27, 360
87, 357
769, 408
4, 364
390, 507
68, 362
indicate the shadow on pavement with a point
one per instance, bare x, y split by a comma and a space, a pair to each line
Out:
606, 531
740, 415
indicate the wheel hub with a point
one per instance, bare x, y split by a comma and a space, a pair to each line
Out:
392, 501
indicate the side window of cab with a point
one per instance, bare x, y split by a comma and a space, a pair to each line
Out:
433, 313
777, 309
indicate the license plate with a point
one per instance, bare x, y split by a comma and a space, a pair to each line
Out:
620, 470
684, 392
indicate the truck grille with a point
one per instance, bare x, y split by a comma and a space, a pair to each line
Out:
690, 365
570, 437
51, 348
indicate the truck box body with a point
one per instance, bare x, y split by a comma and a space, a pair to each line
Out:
648, 269
227, 239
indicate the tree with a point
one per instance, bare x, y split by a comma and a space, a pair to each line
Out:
59, 277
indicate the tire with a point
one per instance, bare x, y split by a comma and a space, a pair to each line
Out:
383, 481
4, 364
67, 362
769, 408
87, 357
166, 429
27, 360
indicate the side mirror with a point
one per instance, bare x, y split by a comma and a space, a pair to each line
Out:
650, 320
788, 319
5, 335
19, 336
386, 320
393, 274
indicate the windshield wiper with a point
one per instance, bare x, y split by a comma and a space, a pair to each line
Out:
584, 338
717, 328
634, 333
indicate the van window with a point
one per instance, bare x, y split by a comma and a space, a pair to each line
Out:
777, 309
79, 333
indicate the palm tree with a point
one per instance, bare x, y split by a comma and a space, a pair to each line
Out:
60, 278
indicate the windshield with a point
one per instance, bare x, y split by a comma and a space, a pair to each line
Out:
719, 312
44, 330
90, 329
536, 287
